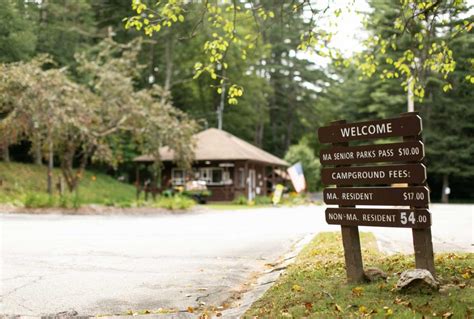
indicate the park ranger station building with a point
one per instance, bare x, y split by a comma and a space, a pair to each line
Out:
230, 167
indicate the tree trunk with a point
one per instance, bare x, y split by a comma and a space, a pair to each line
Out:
169, 61
50, 168
72, 178
445, 190
37, 149
259, 129
5, 152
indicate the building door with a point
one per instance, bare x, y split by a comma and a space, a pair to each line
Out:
251, 184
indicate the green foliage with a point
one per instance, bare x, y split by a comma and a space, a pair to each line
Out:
224, 24
408, 41
176, 202
315, 286
67, 118
39, 200
240, 200
24, 184
63, 27
311, 167
43, 200
263, 200
295, 199
17, 39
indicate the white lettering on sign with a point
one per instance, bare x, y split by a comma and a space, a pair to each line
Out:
358, 175
331, 196
366, 130
340, 216
402, 173
378, 218
327, 157
357, 196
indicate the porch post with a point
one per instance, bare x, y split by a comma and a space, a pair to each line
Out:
273, 178
246, 174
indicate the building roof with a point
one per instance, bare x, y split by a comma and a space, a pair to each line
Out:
216, 145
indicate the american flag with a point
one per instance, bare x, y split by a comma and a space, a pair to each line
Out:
297, 177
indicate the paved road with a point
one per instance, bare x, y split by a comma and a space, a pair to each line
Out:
110, 264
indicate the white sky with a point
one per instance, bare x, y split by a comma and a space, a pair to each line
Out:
347, 28
349, 31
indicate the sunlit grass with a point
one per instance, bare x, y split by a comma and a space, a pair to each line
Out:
315, 286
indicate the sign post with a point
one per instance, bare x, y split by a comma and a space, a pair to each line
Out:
405, 170
351, 239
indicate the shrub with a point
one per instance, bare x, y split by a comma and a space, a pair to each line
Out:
240, 200
294, 199
175, 202
38, 200
262, 200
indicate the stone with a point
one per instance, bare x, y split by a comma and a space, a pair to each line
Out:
375, 274
417, 280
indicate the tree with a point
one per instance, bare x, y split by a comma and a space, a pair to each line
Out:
409, 43
449, 120
418, 17
17, 39
64, 28
79, 122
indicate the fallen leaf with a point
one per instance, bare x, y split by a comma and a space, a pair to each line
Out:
357, 291
363, 309
190, 309
338, 308
447, 315
308, 305
297, 288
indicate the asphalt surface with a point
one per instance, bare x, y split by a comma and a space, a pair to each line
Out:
98, 265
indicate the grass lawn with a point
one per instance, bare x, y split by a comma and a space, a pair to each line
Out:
315, 286
21, 182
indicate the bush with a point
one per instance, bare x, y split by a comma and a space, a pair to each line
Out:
262, 200
240, 200
44, 200
174, 202
295, 199
38, 200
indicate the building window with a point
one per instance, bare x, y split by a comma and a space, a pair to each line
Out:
214, 176
177, 176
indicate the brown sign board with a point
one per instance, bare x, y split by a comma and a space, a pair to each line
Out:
400, 126
393, 152
398, 196
409, 218
374, 175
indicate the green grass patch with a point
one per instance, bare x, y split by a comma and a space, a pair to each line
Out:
315, 286
25, 184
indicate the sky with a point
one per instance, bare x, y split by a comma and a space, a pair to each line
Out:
347, 28
349, 31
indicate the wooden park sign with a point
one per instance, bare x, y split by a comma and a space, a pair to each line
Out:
402, 167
